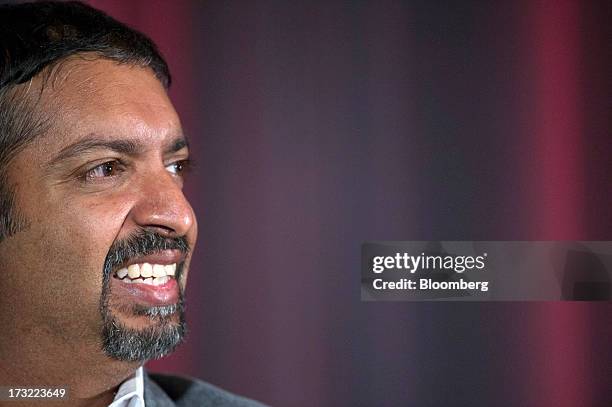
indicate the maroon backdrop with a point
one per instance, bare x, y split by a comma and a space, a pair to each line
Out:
318, 125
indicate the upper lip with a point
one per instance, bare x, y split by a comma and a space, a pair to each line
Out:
162, 257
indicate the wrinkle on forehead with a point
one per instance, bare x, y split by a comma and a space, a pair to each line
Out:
99, 95
88, 75
58, 73
71, 83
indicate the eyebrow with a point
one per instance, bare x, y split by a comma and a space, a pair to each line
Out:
178, 144
128, 147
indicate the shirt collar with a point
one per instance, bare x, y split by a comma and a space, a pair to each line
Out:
131, 392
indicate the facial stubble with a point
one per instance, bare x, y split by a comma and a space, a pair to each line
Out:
163, 332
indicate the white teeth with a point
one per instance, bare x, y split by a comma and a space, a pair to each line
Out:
146, 270
159, 270
170, 269
160, 280
134, 271
153, 274
143, 281
122, 272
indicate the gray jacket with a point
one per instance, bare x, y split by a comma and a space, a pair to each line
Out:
173, 391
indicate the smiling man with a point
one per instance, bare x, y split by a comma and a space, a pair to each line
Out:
96, 235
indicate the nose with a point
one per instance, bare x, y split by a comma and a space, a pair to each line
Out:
162, 207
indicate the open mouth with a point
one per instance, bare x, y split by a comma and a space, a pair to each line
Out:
146, 273
151, 280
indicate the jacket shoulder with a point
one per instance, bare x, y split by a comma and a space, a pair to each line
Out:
188, 392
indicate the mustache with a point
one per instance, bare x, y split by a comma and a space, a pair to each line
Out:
142, 243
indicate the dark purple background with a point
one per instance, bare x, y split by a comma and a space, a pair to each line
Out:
318, 125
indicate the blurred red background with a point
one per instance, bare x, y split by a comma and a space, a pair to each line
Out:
319, 125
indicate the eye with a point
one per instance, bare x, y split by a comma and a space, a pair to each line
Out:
108, 169
178, 167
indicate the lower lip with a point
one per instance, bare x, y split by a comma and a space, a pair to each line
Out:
154, 295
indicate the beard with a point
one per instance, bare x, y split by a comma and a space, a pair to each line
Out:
164, 333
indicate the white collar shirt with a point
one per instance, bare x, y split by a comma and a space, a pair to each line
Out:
131, 392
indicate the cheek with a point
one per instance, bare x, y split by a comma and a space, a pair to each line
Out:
98, 221
88, 231
61, 257
55, 280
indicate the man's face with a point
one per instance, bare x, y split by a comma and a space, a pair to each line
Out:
101, 192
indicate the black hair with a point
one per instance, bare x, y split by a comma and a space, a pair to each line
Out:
33, 38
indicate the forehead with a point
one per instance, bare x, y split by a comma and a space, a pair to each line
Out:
85, 96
